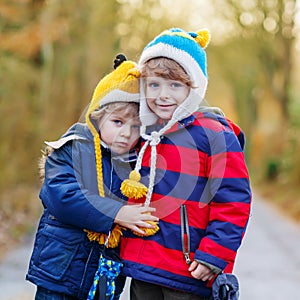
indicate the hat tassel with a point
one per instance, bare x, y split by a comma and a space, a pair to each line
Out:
133, 188
112, 240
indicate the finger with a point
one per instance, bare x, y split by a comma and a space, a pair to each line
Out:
192, 266
136, 205
207, 276
145, 224
138, 230
200, 274
197, 275
211, 277
148, 209
146, 217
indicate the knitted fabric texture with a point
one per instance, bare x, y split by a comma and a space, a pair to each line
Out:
187, 49
121, 85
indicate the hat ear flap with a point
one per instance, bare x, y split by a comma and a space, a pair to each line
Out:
203, 38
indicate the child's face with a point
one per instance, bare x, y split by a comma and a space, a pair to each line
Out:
120, 130
165, 95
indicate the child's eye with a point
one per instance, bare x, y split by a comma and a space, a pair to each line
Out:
176, 84
136, 127
153, 84
117, 122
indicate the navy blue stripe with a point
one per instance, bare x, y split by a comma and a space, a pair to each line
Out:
225, 234
214, 260
204, 140
171, 237
226, 190
200, 189
178, 185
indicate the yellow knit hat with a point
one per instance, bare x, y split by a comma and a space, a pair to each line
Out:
121, 85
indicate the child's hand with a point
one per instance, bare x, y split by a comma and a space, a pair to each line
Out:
135, 216
200, 271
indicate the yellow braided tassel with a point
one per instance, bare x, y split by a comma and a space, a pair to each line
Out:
132, 187
98, 155
203, 38
101, 238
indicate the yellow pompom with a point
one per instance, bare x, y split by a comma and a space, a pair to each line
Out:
132, 188
148, 231
101, 238
203, 38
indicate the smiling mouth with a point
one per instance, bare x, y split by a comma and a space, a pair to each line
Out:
165, 105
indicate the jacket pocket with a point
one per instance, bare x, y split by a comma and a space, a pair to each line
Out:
55, 250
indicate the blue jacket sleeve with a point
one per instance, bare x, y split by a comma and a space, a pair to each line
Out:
67, 196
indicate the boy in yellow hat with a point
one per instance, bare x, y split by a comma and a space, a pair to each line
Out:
84, 209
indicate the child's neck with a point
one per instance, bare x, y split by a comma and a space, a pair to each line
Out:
162, 122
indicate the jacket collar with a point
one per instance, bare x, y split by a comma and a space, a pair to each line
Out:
178, 125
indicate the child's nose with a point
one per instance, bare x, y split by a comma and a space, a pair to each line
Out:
126, 131
164, 93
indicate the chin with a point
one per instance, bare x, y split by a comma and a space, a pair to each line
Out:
118, 151
166, 118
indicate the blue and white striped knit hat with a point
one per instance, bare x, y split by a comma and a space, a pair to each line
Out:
187, 49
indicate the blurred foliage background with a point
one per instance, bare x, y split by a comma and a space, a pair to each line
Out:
53, 53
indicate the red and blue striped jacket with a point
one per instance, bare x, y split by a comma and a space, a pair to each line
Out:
200, 162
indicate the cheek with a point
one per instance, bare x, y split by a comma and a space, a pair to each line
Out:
135, 136
150, 102
186, 92
106, 138
108, 135
182, 96
150, 93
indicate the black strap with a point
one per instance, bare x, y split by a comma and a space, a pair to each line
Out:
185, 234
102, 287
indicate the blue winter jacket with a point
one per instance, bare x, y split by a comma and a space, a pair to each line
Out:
63, 259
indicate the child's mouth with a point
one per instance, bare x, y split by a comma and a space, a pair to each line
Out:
165, 105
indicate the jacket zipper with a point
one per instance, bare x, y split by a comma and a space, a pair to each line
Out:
86, 266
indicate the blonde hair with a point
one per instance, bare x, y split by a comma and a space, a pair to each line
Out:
131, 107
166, 68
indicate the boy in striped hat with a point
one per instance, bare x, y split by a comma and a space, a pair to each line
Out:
193, 166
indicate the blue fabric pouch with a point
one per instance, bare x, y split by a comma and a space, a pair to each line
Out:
225, 287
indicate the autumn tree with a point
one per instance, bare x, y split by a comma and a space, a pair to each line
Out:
257, 60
